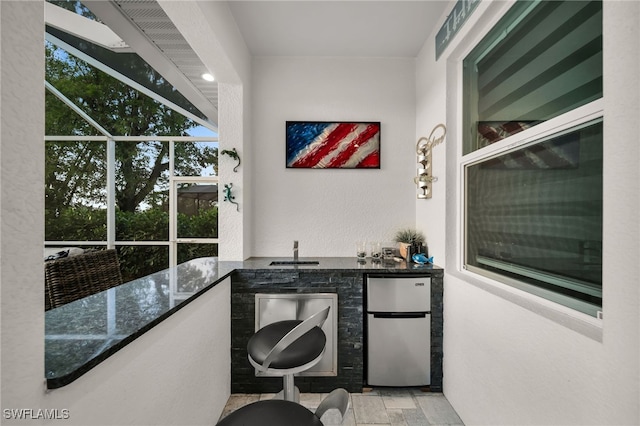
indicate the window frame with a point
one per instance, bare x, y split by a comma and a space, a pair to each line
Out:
581, 115
111, 241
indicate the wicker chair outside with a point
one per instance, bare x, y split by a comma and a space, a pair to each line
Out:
72, 278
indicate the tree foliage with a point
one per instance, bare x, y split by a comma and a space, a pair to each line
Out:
88, 224
76, 171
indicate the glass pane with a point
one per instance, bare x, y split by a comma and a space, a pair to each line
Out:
188, 252
196, 158
114, 105
130, 65
140, 261
197, 210
142, 188
60, 120
148, 225
541, 60
75, 191
535, 214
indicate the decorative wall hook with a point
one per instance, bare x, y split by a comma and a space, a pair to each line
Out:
424, 146
233, 154
228, 197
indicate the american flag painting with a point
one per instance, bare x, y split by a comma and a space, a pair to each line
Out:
325, 145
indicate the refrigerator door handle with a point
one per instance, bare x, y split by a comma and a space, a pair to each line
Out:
400, 314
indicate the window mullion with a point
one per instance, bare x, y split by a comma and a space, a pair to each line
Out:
173, 208
111, 193
573, 118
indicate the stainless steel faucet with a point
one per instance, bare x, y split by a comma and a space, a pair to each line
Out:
295, 250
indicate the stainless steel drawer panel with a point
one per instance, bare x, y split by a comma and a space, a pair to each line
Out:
391, 294
399, 351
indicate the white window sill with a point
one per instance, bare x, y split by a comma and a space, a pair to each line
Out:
579, 322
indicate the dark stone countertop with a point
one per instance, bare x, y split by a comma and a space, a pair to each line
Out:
341, 264
82, 334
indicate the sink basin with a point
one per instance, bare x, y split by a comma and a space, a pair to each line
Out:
294, 262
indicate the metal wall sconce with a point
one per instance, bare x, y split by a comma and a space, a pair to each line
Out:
425, 178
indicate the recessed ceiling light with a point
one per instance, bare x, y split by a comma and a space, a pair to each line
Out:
208, 77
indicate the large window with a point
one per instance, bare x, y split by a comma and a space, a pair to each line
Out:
532, 153
160, 212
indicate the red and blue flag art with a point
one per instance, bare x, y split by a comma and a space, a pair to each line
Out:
326, 145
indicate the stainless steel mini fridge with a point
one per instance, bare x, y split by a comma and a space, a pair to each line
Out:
398, 331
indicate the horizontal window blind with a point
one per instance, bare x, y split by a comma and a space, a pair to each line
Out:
541, 60
535, 214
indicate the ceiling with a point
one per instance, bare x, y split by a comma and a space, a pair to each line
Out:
274, 28
336, 28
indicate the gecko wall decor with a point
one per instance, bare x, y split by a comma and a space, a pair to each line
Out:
229, 197
233, 154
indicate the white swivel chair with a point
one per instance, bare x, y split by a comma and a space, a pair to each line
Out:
289, 347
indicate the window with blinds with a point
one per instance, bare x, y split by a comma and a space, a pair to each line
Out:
533, 202
534, 215
541, 60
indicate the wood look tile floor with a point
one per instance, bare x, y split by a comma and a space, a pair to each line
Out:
379, 407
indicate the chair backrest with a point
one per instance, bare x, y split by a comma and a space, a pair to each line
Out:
72, 278
315, 320
338, 399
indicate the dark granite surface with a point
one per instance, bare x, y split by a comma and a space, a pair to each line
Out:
81, 334
340, 264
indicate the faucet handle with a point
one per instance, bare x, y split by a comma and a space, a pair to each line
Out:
295, 244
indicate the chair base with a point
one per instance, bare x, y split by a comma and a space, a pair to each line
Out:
290, 391
294, 398
289, 388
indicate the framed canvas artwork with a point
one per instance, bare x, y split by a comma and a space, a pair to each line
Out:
333, 144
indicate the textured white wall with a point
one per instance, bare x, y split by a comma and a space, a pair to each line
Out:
233, 223
329, 210
21, 202
511, 358
431, 102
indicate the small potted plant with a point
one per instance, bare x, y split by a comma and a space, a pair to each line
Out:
408, 237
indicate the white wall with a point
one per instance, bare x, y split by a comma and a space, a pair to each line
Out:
328, 211
431, 102
511, 358
21, 202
